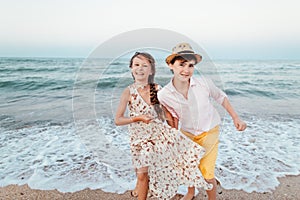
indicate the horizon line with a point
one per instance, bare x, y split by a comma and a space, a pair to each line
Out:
236, 59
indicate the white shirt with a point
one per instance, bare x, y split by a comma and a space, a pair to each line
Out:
196, 114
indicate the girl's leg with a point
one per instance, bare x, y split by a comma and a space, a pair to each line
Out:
143, 181
134, 192
190, 194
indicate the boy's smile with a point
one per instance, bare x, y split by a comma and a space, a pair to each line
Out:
183, 69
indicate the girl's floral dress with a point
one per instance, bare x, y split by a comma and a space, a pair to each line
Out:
172, 158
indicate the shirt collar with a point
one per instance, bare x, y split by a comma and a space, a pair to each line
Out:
192, 82
173, 89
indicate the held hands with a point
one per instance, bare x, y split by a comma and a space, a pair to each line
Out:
239, 124
144, 118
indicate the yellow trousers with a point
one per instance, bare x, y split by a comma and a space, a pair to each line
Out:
209, 141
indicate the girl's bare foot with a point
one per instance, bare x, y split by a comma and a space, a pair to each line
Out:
188, 197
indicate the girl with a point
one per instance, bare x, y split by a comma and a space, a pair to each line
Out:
163, 157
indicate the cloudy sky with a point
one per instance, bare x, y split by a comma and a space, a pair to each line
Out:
229, 29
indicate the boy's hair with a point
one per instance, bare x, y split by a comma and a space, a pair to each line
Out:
184, 58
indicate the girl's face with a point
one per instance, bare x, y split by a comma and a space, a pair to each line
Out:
183, 69
141, 69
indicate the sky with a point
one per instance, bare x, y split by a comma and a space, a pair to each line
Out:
232, 29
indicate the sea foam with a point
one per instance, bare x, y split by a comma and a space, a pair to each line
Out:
96, 155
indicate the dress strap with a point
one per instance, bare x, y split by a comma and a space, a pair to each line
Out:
131, 89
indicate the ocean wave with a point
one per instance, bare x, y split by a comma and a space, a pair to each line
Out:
233, 92
31, 85
260, 93
37, 120
251, 93
114, 82
96, 154
30, 69
120, 63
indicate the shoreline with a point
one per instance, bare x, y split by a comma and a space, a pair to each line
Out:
287, 189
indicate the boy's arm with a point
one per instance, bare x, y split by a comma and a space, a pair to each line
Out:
172, 121
238, 123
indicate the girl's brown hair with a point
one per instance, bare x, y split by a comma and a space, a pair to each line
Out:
150, 60
153, 91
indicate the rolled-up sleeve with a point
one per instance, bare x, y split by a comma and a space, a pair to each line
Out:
216, 93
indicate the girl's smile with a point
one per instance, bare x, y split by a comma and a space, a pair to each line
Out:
141, 69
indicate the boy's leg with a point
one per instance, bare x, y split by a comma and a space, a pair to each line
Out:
207, 166
210, 142
212, 194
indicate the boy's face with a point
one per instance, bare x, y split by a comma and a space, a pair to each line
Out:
183, 69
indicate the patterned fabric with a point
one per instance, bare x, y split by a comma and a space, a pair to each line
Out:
210, 142
172, 158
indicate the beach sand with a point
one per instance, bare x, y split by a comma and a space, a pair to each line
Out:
288, 189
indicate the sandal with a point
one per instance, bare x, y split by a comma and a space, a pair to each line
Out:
191, 198
134, 193
219, 188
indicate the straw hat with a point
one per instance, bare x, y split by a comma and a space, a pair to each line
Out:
182, 49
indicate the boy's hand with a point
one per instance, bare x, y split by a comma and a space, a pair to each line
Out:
239, 124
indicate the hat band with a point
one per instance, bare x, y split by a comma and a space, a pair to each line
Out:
186, 51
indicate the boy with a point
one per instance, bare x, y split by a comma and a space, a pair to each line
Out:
188, 100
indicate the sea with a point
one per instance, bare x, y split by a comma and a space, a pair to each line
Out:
57, 126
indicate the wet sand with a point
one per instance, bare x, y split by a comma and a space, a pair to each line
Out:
288, 189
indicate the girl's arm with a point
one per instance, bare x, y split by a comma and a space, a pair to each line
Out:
238, 123
120, 119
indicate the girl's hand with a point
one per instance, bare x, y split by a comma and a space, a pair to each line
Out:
239, 124
144, 118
